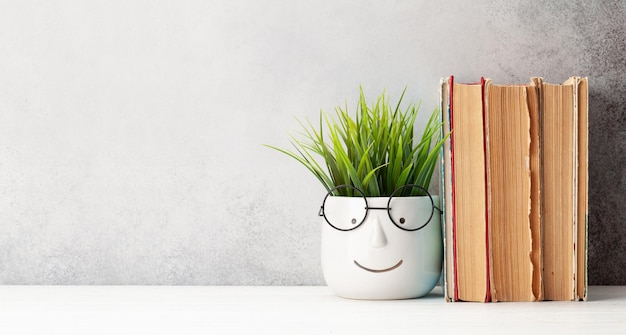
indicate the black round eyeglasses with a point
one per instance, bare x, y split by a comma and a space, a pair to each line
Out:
346, 214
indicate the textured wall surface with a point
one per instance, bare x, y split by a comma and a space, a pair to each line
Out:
131, 132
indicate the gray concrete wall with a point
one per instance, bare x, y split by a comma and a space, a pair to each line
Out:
131, 132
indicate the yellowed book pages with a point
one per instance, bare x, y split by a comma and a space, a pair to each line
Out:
448, 280
470, 225
583, 180
509, 186
559, 187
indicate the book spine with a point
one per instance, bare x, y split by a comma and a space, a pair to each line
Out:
442, 189
454, 251
575, 203
583, 186
485, 177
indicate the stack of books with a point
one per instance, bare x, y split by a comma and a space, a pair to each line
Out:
514, 190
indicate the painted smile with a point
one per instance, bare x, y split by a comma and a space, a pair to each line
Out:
378, 271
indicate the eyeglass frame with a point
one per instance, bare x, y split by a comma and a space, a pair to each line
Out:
388, 208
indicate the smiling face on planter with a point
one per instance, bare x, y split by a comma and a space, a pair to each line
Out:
381, 247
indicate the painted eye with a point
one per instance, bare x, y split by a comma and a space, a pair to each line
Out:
353, 221
402, 220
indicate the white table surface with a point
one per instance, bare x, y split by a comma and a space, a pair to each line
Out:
290, 310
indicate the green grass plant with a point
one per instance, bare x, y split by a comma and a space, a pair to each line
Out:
375, 151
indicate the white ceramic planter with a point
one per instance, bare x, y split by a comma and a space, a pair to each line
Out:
378, 259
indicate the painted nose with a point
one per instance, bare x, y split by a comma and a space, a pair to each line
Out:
377, 236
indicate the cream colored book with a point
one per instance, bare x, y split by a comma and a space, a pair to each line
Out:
512, 152
560, 198
469, 192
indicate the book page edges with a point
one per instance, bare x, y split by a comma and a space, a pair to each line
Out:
526, 293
